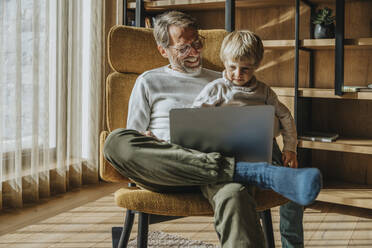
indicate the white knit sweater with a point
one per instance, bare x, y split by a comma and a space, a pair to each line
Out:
158, 91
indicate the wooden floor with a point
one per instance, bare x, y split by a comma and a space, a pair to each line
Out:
84, 218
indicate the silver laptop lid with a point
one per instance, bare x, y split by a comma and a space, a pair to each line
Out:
243, 132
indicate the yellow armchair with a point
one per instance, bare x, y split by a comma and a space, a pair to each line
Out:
131, 51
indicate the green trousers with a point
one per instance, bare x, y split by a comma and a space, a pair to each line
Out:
164, 167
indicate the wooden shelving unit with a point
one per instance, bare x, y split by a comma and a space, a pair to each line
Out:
334, 56
356, 195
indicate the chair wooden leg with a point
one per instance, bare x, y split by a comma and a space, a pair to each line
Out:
128, 224
143, 229
267, 226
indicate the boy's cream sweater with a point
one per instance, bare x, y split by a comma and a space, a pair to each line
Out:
222, 92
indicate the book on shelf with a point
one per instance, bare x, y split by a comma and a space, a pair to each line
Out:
148, 23
319, 136
356, 89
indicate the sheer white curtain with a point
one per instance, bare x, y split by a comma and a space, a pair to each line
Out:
50, 77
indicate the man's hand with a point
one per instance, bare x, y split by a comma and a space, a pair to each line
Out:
150, 134
290, 159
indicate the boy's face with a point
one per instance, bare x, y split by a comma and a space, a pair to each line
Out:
239, 72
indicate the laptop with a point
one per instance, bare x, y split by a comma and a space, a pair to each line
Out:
243, 132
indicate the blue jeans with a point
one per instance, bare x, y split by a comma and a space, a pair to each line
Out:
291, 214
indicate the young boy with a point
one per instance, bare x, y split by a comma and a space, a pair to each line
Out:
242, 53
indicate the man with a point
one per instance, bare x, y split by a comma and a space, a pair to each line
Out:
165, 167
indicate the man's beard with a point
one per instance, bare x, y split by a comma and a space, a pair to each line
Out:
181, 66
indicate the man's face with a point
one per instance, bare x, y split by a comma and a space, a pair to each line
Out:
184, 50
239, 72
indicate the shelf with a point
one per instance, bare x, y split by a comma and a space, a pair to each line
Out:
358, 145
324, 1
283, 91
207, 4
180, 4
360, 43
160, 5
355, 195
330, 93
279, 44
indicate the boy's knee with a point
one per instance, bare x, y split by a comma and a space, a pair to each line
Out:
117, 145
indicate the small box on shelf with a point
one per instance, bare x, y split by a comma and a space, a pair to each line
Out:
319, 136
365, 90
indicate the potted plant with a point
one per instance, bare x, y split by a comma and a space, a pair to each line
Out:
324, 24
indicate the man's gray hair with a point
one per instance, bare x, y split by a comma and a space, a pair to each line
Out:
163, 21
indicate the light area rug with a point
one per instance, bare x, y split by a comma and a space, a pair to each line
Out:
164, 240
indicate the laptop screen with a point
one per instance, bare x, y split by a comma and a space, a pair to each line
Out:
243, 132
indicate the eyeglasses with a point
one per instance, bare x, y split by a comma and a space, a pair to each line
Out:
185, 49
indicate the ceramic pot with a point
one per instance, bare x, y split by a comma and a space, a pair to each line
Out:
324, 31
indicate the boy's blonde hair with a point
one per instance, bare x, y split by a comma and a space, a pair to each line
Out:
242, 45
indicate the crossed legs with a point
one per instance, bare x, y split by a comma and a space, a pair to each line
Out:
163, 167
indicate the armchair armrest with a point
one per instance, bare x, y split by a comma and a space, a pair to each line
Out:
106, 171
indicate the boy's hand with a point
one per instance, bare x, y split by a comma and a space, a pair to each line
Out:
290, 159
